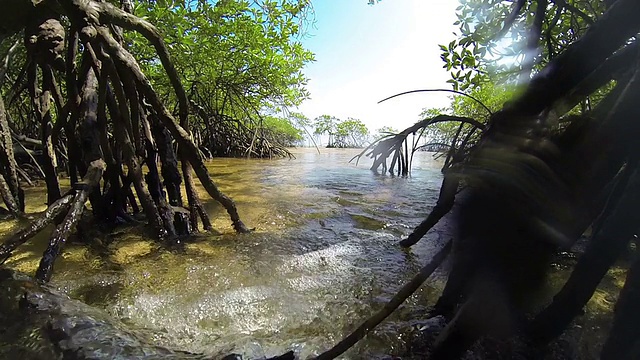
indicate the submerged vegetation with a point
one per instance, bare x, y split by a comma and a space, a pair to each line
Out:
130, 98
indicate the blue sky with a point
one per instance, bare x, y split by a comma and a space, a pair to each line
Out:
366, 53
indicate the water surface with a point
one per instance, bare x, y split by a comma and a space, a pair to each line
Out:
323, 258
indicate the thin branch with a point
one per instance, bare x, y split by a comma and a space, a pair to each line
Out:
439, 90
508, 22
7, 60
35, 162
550, 28
397, 300
575, 11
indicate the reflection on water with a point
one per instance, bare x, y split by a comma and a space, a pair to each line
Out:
322, 259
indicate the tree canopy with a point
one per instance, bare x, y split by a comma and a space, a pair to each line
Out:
506, 41
239, 61
498, 46
342, 133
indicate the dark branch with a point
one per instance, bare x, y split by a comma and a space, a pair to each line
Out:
439, 90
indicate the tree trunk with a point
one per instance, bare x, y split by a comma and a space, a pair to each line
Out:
170, 173
89, 131
74, 103
48, 154
533, 38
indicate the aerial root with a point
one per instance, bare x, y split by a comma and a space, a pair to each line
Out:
397, 300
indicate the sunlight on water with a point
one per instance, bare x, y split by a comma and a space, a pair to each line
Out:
322, 259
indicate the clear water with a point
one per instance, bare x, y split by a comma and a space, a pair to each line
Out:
322, 259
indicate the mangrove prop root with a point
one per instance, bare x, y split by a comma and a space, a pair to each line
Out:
126, 61
8, 198
406, 291
609, 239
60, 206
74, 101
89, 135
48, 153
169, 159
192, 200
41, 106
195, 205
62, 232
396, 145
443, 206
600, 255
8, 162
123, 140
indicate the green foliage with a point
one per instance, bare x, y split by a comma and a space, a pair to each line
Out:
238, 59
299, 120
384, 131
342, 133
282, 130
491, 95
493, 36
326, 124
497, 48
351, 133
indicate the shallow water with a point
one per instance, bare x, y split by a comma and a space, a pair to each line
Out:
322, 259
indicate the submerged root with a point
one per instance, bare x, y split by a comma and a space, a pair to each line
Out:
106, 119
65, 229
73, 205
53, 211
